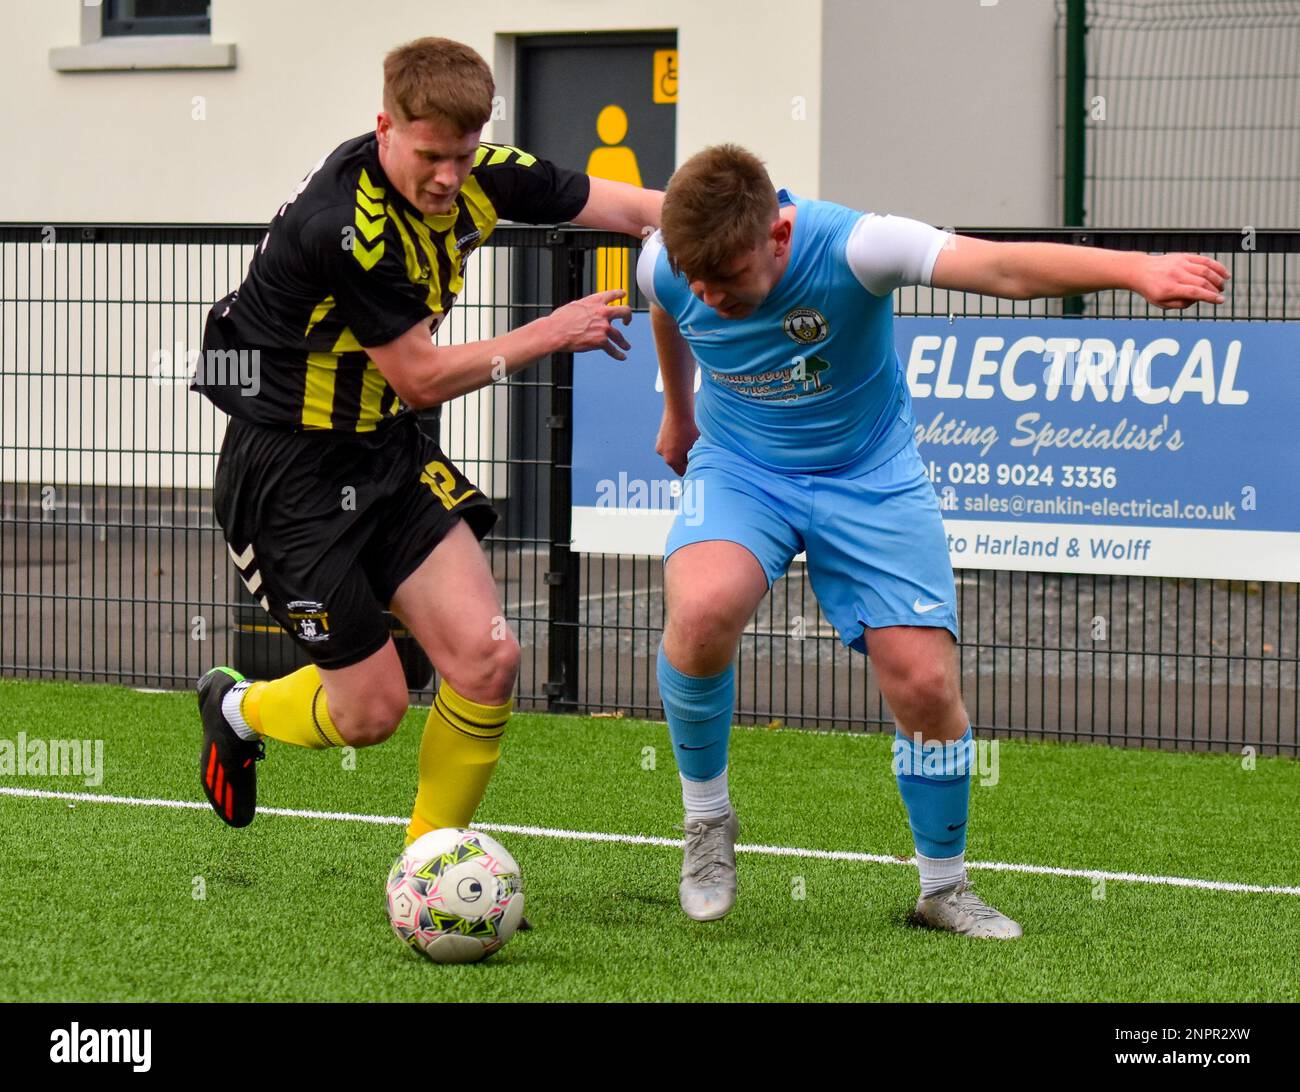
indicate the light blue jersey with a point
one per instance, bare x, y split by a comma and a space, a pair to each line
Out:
806, 427
811, 381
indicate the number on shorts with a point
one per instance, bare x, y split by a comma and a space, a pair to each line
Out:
439, 478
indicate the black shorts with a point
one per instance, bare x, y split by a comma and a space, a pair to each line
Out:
324, 527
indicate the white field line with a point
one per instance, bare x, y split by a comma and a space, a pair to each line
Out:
648, 840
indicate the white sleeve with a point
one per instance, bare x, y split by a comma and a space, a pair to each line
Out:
645, 267
886, 252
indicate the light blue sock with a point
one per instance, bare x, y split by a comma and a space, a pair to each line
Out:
934, 780
698, 711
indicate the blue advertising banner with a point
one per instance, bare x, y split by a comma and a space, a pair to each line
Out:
1144, 447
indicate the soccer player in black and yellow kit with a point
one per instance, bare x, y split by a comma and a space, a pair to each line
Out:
333, 502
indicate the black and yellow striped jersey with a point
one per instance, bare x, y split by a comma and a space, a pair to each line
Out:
348, 262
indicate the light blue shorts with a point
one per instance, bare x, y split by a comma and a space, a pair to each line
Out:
876, 547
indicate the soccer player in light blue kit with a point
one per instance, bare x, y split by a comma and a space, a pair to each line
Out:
803, 439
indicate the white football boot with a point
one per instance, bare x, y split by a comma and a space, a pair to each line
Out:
959, 910
708, 887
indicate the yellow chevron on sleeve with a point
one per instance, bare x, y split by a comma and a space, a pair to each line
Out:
502, 152
369, 217
367, 187
370, 229
368, 258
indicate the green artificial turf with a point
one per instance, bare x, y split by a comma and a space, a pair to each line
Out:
99, 898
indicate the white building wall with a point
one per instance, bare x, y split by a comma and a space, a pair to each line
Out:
228, 145
114, 146
942, 110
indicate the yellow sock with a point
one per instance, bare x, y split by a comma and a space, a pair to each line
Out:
292, 710
459, 751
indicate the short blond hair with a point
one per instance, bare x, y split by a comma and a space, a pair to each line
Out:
438, 78
719, 204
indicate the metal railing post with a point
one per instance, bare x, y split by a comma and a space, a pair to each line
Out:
1075, 107
562, 569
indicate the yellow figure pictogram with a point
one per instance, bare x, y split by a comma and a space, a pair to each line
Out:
617, 163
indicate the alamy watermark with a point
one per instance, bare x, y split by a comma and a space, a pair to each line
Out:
947, 758
25, 757
671, 494
241, 368
116, 1046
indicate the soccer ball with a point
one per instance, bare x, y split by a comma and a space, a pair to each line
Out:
455, 895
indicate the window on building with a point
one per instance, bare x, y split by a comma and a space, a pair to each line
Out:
123, 17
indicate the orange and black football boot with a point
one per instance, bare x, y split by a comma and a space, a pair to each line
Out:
227, 762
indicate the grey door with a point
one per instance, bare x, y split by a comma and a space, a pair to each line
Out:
604, 104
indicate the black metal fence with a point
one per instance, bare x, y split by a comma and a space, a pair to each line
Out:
112, 568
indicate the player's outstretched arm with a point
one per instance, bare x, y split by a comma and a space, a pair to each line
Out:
1022, 271
616, 206
424, 374
677, 431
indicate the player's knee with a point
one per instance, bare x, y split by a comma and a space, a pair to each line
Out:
923, 692
703, 626
374, 717
501, 668
486, 670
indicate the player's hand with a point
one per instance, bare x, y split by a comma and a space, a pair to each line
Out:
1177, 281
588, 323
676, 437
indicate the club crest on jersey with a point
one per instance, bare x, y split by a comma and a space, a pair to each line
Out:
805, 325
311, 622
